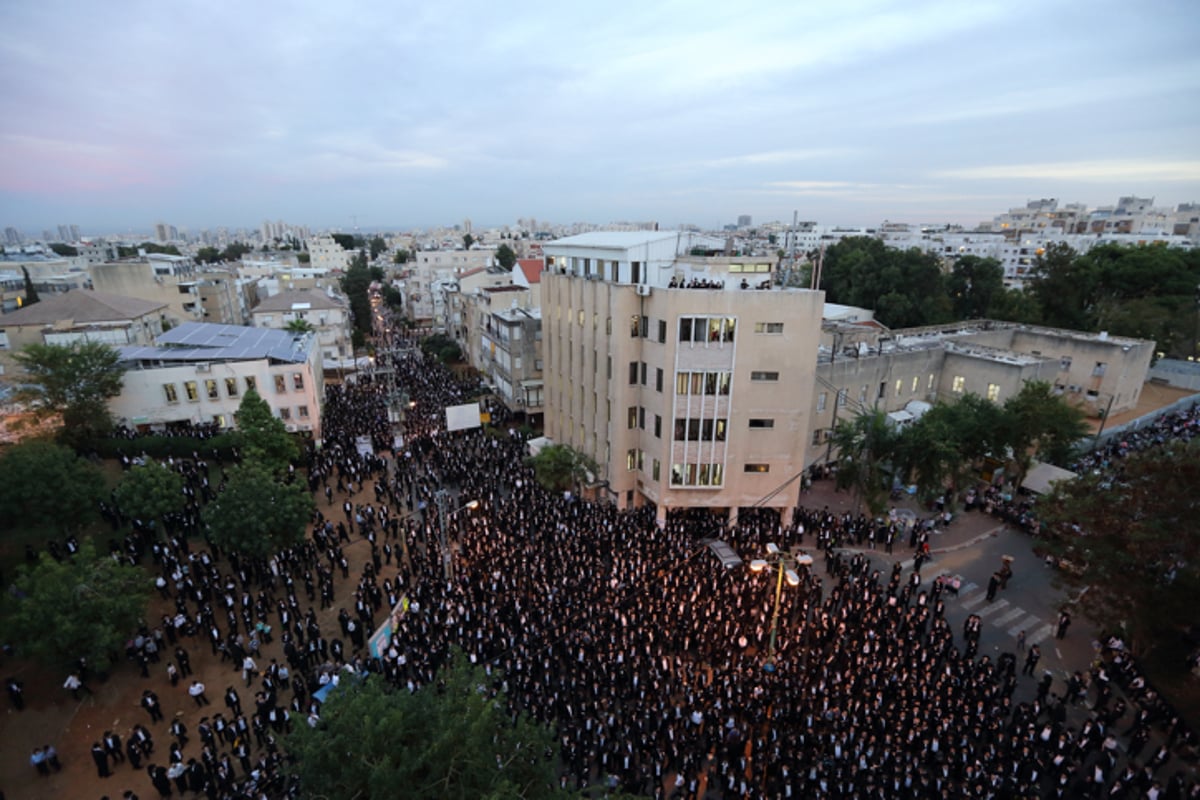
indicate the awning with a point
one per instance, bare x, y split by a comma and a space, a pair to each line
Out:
1041, 478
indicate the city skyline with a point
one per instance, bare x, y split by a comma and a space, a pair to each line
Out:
370, 117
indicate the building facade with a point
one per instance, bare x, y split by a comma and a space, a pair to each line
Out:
329, 316
676, 373
198, 373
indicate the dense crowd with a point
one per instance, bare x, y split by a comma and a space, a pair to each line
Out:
644, 652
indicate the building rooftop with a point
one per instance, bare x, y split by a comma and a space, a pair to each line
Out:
621, 240
206, 341
299, 300
532, 269
81, 306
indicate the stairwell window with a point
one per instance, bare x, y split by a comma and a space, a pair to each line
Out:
764, 376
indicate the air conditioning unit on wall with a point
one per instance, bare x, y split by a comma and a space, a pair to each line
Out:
643, 290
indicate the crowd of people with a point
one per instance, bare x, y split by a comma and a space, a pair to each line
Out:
644, 652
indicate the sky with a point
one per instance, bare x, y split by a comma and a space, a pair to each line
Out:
398, 114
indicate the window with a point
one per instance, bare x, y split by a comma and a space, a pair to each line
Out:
219, 419
631, 459
959, 384
841, 397
608, 326
655, 469
756, 468
993, 392
882, 390
189, 387
641, 418
1064, 363
929, 385
821, 401
298, 381
285, 413
635, 325
862, 394
1099, 369
685, 329
643, 381
916, 383
302, 412
251, 383
658, 425
768, 327
816, 437
231, 388
697, 330
899, 386
210, 388
761, 423
662, 331
658, 379
280, 383
633, 372
764, 376
632, 417
708, 474
170, 393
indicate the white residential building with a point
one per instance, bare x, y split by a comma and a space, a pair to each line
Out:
198, 373
329, 315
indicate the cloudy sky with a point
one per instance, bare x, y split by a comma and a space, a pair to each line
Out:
397, 114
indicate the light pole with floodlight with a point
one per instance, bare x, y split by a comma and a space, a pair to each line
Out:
787, 564
442, 498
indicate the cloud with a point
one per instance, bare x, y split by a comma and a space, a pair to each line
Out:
1086, 171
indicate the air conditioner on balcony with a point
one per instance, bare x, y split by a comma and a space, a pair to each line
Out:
203, 367
291, 428
642, 290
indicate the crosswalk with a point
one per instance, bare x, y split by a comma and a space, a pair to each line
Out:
1000, 613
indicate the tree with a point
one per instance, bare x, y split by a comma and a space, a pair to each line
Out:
264, 437
235, 250
304, 258
1127, 533
393, 297
208, 255
443, 347
356, 285
45, 485
84, 606
468, 240
1040, 423
75, 380
31, 293
1065, 288
377, 245
165, 249
975, 285
257, 514
506, 256
452, 739
905, 287
64, 249
560, 467
299, 325
945, 447
401, 257
865, 446
150, 491
344, 240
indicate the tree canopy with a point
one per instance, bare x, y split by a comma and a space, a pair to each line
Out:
46, 485
150, 491
62, 249
468, 240
443, 347
257, 513
865, 446
506, 256
75, 380
904, 287
31, 292
377, 246
299, 325
1132, 536
85, 606
356, 285
264, 437
559, 467
452, 739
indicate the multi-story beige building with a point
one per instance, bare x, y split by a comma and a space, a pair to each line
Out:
79, 315
866, 367
191, 293
678, 374
326, 254
328, 315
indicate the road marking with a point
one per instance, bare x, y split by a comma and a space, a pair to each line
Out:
1028, 624
1039, 634
967, 587
974, 601
1009, 617
992, 608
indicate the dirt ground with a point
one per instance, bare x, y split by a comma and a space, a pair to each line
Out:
52, 716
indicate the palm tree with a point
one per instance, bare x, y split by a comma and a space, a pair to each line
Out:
299, 325
560, 467
865, 446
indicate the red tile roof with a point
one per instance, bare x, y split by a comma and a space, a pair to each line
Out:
532, 267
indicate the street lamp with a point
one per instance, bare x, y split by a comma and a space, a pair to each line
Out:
787, 564
442, 498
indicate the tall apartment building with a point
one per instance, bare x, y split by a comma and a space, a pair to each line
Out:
687, 378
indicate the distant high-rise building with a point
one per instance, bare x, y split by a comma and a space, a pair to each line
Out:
75, 237
12, 236
162, 231
743, 221
466, 225
64, 233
